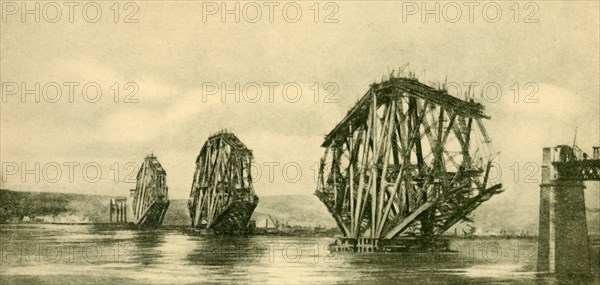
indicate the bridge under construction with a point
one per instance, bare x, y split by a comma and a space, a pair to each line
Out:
405, 164
222, 198
563, 242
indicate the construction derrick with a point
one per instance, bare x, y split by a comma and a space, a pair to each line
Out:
149, 200
407, 160
222, 197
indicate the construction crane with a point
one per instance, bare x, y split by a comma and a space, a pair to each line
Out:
274, 221
278, 224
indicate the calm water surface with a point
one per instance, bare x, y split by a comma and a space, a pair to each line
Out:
95, 254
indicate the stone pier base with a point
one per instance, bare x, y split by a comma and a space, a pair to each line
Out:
563, 245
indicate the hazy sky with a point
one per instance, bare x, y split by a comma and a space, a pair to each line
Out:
175, 58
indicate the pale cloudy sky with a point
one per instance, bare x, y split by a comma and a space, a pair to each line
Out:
171, 54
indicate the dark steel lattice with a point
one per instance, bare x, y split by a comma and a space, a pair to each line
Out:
406, 159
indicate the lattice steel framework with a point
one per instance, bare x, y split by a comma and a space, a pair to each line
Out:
150, 200
583, 170
222, 195
407, 159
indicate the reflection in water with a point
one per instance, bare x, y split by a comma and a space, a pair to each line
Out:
172, 256
221, 256
145, 243
221, 251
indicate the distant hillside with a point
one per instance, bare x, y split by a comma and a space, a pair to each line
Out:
177, 214
504, 216
14, 206
302, 210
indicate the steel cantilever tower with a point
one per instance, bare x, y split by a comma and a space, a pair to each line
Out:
222, 197
408, 161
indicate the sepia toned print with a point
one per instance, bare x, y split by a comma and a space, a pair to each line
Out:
299, 142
